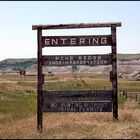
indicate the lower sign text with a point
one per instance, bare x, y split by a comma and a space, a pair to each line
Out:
77, 106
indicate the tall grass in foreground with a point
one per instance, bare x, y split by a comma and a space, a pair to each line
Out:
18, 113
16, 106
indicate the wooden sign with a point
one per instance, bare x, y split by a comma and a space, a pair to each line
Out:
77, 106
64, 60
62, 41
95, 100
92, 95
22, 72
74, 68
76, 101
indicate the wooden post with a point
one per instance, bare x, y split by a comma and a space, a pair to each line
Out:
123, 94
126, 95
136, 97
120, 94
40, 82
114, 70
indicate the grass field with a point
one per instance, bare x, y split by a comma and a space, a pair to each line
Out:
18, 111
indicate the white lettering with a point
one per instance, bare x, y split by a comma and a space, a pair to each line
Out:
89, 40
82, 41
94, 57
70, 62
104, 40
71, 57
80, 57
47, 42
81, 62
62, 58
84, 62
77, 62
95, 41
50, 62
63, 62
105, 62
60, 62
53, 63
54, 42
89, 57
101, 61
76, 41
99, 57
74, 62
63, 40
66, 58
56, 58
73, 41
66, 62
85, 57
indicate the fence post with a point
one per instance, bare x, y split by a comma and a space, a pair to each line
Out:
123, 93
136, 97
120, 94
126, 95
130, 96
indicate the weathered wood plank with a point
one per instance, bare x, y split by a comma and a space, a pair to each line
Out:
65, 60
40, 82
81, 95
114, 73
72, 26
63, 41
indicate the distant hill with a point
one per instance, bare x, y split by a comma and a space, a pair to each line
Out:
11, 65
127, 64
125, 57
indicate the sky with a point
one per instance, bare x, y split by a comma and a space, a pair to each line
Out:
18, 40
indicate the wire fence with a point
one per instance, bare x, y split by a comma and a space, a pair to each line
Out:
130, 95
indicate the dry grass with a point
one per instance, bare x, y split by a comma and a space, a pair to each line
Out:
70, 125
76, 125
18, 87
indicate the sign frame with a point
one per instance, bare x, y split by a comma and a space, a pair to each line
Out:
39, 28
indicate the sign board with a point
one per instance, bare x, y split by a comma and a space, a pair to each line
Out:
93, 94
74, 68
64, 60
77, 101
77, 106
62, 41
22, 72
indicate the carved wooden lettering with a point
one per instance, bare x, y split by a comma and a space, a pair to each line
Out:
64, 60
62, 41
77, 107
